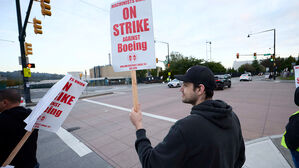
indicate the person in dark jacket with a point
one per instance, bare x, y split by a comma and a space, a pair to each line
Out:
12, 130
290, 139
209, 137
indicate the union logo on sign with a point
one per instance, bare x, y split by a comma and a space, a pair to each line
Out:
132, 58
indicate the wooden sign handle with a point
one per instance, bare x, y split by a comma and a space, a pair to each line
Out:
134, 90
17, 148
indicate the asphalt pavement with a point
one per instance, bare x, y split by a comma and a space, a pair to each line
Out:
263, 152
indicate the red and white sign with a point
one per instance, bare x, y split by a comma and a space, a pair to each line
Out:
55, 106
296, 68
132, 36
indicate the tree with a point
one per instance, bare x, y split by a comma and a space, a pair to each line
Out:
231, 70
288, 62
246, 68
258, 68
267, 64
180, 64
141, 73
216, 67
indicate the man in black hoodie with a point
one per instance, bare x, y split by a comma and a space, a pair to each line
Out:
209, 137
12, 130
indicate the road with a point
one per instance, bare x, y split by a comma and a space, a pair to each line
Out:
263, 108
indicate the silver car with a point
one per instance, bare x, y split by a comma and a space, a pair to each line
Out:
174, 83
245, 77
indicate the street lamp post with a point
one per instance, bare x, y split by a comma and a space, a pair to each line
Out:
274, 52
209, 42
167, 54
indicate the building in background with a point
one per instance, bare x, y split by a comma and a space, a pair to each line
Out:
237, 64
105, 75
76, 74
95, 72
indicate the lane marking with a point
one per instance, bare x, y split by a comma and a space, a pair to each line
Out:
129, 110
73, 142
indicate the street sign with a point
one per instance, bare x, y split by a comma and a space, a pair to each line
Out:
20, 60
27, 72
132, 35
267, 54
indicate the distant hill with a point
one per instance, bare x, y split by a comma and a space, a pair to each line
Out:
35, 76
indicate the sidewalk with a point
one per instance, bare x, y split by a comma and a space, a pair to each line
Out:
267, 152
264, 152
53, 152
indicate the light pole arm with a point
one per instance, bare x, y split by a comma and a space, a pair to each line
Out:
261, 32
167, 48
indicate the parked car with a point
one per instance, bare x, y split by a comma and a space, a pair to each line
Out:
23, 103
267, 75
174, 83
222, 81
245, 77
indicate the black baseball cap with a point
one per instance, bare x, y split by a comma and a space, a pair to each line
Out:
199, 74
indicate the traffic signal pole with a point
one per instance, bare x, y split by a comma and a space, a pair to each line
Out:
274, 67
22, 35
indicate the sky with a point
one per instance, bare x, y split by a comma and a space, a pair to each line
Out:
77, 35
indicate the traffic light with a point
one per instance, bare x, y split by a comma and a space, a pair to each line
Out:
37, 26
168, 65
28, 49
45, 5
254, 55
157, 60
30, 65
273, 56
238, 55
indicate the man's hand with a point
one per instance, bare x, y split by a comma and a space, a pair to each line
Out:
136, 117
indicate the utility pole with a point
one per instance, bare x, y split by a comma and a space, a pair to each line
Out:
209, 42
109, 57
22, 35
274, 67
168, 61
274, 47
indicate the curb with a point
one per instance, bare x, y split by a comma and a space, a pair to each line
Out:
94, 95
81, 97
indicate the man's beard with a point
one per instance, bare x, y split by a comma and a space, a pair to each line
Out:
191, 100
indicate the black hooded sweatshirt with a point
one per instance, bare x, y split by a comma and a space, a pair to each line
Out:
210, 137
12, 131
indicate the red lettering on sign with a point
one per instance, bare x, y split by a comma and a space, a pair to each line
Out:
58, 97
129, 13
55, 104
53, 111
71, 100
128, 27
64, 98
79, 83
67, 86
137, 26
116, 31
131, 38
135, 46
122, 28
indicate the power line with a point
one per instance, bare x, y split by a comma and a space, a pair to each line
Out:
89, 4
7, 40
